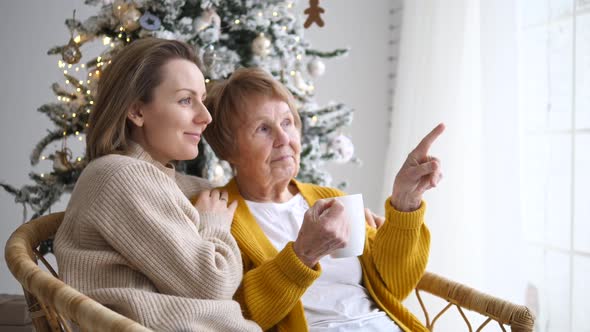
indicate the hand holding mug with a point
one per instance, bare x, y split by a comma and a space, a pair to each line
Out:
324, 230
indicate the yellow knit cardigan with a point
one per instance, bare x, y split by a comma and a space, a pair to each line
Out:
393, 262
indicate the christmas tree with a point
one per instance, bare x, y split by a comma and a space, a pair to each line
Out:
226, 35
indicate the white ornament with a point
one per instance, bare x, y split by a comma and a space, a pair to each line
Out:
343, 149
218, 173
261, 45
316, 67
208, 18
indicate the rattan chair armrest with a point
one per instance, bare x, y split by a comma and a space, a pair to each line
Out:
518, 317
89, 314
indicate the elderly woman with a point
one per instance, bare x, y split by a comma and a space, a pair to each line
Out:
287, 229
130, 237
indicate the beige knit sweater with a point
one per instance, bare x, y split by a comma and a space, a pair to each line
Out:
132, 240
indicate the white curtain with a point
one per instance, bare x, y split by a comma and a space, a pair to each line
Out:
457, 65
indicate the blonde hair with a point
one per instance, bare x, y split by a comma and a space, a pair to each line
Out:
227, 99
131, 77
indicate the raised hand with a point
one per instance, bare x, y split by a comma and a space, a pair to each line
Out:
419, 173
324, 230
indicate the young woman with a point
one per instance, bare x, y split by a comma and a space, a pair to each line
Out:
130, 238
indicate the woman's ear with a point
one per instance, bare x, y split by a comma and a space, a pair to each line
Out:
135, 114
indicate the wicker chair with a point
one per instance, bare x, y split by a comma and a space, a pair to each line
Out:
54, 305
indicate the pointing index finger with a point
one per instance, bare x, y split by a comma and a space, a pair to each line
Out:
427, 141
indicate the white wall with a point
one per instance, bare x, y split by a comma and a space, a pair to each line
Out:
29, 28
359, 80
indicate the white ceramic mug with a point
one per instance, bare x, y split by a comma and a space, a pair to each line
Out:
354, 210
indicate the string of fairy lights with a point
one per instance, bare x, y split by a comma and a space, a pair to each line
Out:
265, 34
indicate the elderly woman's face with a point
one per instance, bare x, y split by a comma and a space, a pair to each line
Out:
268, 143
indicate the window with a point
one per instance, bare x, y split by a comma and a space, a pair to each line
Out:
554, 104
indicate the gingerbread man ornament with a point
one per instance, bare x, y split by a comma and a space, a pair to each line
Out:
313, 14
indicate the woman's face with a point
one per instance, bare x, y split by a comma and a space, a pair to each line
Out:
268, 143
169, 127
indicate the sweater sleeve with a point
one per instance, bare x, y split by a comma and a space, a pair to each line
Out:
270, 291
398, 250
144, 216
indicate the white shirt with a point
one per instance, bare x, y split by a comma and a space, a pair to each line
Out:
336, 301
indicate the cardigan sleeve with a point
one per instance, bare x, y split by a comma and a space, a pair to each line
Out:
144, 216
398, 251
270, 291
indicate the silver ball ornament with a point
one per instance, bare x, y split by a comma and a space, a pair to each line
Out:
343, 149
261, 45
316, 67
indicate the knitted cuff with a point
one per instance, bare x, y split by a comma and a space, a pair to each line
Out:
404, 220
292, 267
213, 223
